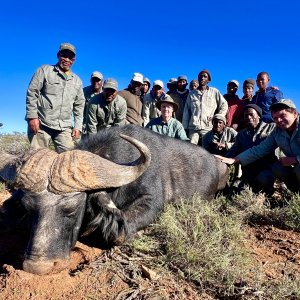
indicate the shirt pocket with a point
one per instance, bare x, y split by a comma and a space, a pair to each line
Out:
53, 87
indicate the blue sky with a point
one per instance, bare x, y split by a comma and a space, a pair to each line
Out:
160, 39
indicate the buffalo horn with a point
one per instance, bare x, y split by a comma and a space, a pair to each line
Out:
79, 170
33, 175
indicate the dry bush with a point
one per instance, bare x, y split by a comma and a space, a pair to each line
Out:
16, 143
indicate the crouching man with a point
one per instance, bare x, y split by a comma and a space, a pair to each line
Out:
286, 136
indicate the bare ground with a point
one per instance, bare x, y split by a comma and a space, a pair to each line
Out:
117, 274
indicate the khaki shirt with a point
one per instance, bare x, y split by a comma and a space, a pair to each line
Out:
53, 99
200, 108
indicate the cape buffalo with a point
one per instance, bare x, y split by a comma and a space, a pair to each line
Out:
112, 185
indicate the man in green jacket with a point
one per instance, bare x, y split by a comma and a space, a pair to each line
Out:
106, 109
53, 96
166, 124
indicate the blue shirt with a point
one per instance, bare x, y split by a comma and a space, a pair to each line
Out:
265, 100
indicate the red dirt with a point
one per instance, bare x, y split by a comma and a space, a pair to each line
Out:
92, 275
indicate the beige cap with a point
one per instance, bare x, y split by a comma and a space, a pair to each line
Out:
110, 83
159, 83
283, 103
97, 75
67, 46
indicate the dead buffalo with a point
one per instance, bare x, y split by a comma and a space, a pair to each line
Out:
112, 185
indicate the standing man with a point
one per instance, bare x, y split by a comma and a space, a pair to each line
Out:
132, 95
193, 84
53, 96
107, 109
166, 124
91, 91
180, 94
201, 105
171, 85
266, 96
145, 88
150, 110
235, 106
248, 88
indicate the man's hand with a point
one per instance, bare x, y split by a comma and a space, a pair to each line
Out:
288, 161
76, 133
34, 125
226, 160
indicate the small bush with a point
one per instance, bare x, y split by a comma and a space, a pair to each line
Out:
16, 143
205, 244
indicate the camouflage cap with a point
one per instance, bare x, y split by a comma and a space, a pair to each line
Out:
110, 83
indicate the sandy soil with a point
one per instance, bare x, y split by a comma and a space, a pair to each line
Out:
99, 274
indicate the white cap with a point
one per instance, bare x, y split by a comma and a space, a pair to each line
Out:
234, 81
138, 77
159, 83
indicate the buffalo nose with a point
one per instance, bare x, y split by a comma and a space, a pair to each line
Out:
44, 267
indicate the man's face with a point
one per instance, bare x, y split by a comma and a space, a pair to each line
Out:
218, 125
136, 87
145, 87
251, 118
203, 79
96, 83
248, 91
231, 88
166, 111
66, 59
181, 85
157, 91
262, 81
194, 85
109, 94
285, 119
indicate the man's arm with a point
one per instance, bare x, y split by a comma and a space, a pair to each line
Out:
33, 94
121, 112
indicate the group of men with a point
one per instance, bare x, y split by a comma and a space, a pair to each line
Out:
225, 125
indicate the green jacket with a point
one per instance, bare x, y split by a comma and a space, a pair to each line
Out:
53, 99
173, 128
103, 115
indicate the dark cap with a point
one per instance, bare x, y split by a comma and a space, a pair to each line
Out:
182, 77
167, 99
255, 107
249, 81
207, 72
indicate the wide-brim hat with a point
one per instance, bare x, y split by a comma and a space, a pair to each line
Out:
167, 100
